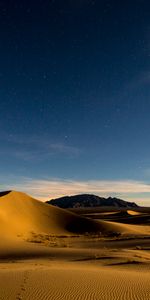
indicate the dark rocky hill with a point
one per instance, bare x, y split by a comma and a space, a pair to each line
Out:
88, 200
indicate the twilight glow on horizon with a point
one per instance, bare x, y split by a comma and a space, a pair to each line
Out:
75, 98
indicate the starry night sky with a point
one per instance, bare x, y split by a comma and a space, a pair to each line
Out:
75, 97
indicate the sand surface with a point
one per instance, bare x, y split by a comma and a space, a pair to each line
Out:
53, 280
51, 253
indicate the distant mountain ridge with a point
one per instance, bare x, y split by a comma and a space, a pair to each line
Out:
89, 200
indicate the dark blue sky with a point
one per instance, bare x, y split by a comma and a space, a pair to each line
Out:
75, 94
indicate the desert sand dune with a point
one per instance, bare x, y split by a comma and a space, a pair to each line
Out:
134, 213
115, 214
22, 216
127, 229
126, 217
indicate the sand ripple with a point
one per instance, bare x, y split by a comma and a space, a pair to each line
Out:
74, 282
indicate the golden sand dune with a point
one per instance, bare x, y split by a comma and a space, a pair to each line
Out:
127, 229
114, 214
134, 213
122, 216
20, 215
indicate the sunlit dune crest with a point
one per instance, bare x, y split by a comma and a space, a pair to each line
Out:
133, 213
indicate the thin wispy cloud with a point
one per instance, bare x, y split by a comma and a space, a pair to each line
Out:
29, 147
52, 188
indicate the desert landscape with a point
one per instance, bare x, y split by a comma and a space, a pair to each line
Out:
47, 252
75, 150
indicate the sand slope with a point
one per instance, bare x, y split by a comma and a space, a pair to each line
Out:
20, 215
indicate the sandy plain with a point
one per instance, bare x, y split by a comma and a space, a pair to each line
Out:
50, 253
